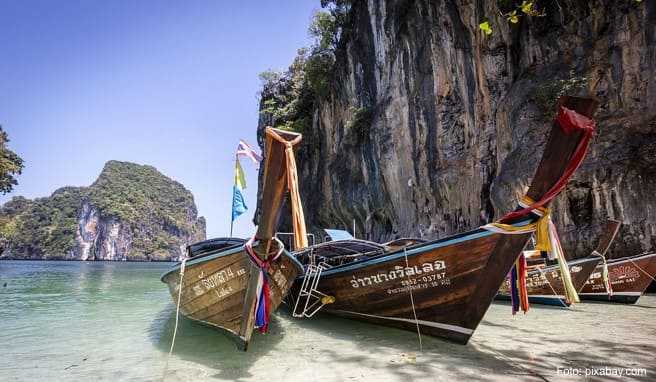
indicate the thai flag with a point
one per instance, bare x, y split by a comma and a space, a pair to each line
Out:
244, 149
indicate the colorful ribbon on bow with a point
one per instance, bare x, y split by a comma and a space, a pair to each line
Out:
546, 234
518, 292
263, 291
568, 120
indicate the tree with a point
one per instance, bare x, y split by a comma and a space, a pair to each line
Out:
11, 165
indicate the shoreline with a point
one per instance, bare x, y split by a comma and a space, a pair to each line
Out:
93, 261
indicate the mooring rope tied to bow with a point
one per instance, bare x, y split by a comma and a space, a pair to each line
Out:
412, 300
263, 291
604, 273
177, 314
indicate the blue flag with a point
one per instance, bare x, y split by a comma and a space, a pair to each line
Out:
238, 204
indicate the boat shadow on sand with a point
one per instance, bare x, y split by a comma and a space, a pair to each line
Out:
198, 343
544, 346
543, 353
398, 352
511, 352
394, 349
501, 351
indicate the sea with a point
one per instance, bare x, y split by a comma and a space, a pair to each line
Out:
114, 321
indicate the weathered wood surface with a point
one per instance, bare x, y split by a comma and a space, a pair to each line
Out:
214, 291
545, 285
219, 286
442, 280
274, 186
627, 279
467, 270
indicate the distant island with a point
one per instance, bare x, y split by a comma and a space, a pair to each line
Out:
131, 212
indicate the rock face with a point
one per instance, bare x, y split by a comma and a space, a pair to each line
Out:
131, 212
451, 123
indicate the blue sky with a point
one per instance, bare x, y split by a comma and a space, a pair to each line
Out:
171, 84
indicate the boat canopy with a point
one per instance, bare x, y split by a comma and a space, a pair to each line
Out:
338, 234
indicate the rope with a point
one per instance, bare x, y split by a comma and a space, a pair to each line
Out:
177, 314
412, 300
263, 292
604, 273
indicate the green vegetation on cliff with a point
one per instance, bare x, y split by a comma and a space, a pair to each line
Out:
155, 216
289, 98
10, 165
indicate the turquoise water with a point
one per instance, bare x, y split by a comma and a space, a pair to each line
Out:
72, 321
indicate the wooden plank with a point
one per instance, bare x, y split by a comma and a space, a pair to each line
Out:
248, 309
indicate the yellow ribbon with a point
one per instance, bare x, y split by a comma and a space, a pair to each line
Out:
545, 242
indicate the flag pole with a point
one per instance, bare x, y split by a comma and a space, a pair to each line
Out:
232, 221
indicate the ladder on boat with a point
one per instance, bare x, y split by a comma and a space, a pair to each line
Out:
309, 298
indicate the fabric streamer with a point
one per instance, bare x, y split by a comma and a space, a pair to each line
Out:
518, 291
520, 264
298, 218
545, 231
571, 295
569, 121
263, 292
514, 291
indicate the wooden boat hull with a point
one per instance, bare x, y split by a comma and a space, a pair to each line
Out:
214, 289
444, 287
545, 286
627, 279
449, 283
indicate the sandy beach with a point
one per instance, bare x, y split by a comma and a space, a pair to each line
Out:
600, 337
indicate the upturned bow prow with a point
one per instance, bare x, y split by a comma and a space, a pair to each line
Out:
279, 176
565, 150
562, 143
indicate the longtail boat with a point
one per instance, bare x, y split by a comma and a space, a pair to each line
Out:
629, 277
444, 287
230, 283
544, 282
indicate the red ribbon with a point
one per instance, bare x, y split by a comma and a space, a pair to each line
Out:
569, 121
265, 293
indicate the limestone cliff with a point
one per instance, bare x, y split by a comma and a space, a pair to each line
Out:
131, 212
429, 126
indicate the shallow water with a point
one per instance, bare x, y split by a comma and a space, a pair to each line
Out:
114, 321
